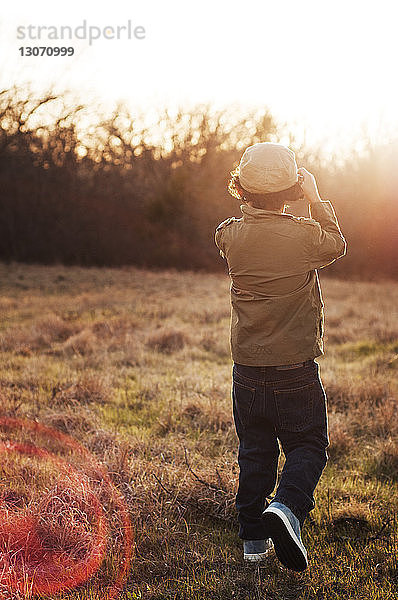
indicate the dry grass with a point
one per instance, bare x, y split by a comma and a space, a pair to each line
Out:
135, 365
167, 341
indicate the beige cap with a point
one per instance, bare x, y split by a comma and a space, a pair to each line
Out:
266, 167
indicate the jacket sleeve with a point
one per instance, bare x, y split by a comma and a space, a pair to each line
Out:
326, 242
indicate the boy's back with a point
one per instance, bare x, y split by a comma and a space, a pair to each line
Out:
275, 294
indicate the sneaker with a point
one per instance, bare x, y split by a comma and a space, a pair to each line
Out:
283, 527
256, 550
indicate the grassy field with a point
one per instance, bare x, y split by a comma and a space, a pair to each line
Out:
135, 366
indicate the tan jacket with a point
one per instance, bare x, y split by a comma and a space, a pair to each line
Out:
276, 303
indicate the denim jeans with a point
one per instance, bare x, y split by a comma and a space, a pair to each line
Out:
285, 403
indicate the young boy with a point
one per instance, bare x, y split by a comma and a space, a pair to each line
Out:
276, 333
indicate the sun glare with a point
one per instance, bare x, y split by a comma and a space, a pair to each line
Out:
326, 69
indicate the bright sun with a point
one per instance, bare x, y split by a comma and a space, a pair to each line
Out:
326, 68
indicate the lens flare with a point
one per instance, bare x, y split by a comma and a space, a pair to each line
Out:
61, 540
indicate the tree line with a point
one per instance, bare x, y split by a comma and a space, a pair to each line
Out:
78, 187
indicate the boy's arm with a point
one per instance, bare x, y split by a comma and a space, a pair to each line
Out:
326, 242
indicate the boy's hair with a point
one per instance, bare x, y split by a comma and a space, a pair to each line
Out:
270, 201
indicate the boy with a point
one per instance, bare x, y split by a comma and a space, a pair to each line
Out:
276, 333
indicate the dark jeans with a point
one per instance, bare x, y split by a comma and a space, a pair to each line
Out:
271, 403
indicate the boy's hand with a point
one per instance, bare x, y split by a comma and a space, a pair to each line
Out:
309, 186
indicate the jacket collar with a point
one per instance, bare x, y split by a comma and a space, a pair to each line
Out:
259, 213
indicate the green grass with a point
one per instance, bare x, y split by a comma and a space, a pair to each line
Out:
135, 365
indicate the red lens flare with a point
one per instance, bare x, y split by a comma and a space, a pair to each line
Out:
62, 541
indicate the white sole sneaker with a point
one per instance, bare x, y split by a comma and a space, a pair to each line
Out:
288, 547
259, 556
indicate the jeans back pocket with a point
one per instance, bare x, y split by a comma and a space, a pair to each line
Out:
295, 408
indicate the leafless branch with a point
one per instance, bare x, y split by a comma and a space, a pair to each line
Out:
206, 483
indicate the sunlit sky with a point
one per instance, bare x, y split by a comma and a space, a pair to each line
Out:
327, 68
